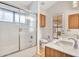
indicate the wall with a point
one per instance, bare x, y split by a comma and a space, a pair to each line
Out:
46, 31
34, 7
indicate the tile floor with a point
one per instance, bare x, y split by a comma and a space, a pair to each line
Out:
42, 53
31, 52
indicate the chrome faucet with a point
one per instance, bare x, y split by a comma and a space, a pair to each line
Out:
75, 44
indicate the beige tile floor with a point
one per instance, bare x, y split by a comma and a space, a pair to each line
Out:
42, 53
31, 52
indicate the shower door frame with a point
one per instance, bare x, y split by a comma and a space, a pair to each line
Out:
19, 25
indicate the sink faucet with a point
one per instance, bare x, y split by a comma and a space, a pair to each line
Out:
75, 44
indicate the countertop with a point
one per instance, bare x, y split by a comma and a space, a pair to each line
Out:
72, 52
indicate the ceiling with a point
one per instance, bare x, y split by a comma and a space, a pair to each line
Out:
31, 6
44, 5
20, 4
61, 7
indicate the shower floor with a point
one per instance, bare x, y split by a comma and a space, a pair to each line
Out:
30, 52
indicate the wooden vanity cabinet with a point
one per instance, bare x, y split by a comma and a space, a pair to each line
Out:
73, 21
42, 20
49, 52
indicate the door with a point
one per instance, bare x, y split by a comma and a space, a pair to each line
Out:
73, 21
8, 33
27, 31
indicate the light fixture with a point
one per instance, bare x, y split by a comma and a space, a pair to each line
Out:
75, 4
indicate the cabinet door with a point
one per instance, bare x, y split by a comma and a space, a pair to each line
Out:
66, 55
73, 21
59, 54
42, 20
47, 52
54, 53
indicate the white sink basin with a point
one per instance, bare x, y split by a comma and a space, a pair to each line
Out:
65, 44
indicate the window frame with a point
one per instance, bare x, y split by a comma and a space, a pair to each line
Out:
13, 18
8, 11
20, 17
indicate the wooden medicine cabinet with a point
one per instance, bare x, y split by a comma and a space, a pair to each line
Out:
42, 20
73, 21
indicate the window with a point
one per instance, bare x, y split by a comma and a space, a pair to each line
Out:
17, 17
31, 22
6, 16
22, 18
1, 13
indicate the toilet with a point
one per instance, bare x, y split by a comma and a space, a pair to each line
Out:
43, 42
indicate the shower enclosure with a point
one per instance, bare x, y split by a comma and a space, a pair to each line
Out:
17, 29
28, 31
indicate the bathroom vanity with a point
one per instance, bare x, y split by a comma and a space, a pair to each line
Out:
54, 49
50, 52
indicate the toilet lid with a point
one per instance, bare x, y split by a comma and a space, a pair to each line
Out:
44, 40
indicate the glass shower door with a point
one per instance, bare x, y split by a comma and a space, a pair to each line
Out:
27, 31
8, 33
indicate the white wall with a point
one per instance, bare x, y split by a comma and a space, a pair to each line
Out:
34, 7
46, 31
42, 12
